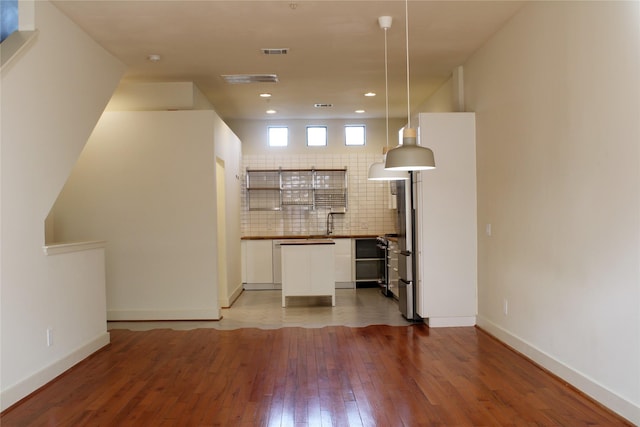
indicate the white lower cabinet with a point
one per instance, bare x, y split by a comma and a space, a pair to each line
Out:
343, 263
261, 267
257, 264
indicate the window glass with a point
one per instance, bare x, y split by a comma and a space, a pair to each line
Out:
8, 18
354, 135
316, 136
278, 136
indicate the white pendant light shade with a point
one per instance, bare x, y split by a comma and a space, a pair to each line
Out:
409, 156
377, 172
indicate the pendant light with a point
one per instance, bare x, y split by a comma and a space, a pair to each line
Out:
377, 172
409, 156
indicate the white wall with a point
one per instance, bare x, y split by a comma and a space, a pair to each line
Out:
368, 210
158, 96
441, 101
557, 99
146, 183
52, 97
229, 149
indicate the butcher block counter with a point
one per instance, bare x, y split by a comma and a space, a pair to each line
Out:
312, 236
308, 268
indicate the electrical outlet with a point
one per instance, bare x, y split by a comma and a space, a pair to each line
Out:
505, 307
49, 337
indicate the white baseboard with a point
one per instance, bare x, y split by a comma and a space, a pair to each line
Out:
227, 302
132, 315
276, 286
30, 384
448, 322
259, 286
234, 295
588, 386
345, 285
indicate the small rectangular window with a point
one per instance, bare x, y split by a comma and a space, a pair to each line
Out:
8, 18
316, 136
354, 135
278, 136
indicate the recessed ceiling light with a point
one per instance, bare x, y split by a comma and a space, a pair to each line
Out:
323, 105
265, 95
271, 111
370, 94
359, 111
154, 57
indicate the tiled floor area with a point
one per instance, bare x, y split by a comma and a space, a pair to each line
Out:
263, 309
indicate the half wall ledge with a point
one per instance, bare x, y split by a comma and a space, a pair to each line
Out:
65, 248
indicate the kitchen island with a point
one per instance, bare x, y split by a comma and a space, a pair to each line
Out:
308, 268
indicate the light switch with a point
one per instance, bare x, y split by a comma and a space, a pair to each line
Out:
488, 229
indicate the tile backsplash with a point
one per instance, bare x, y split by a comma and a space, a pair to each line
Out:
369, 206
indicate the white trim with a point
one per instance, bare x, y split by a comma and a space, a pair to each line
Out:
449, 322
235, 294
227, 302
345, 285
14, 46
30, 384
582, 382
259, 286
133, 315
278, 286
64, 248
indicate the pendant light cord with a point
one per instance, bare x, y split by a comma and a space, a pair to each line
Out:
386, 85
406, 17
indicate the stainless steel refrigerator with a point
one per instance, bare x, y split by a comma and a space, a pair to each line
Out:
407, 250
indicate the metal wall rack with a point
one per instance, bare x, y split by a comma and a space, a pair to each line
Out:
277, 189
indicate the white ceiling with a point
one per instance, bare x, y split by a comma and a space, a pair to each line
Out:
336, 49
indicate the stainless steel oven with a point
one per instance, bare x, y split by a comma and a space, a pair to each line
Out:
383, 281
389, 275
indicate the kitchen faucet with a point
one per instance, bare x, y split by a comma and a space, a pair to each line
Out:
330, 222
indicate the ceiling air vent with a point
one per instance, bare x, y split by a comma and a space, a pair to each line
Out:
250, 78
279, 51
323, 105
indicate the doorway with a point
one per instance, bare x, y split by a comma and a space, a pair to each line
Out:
223, 288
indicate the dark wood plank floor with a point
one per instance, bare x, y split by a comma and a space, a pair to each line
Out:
333, 376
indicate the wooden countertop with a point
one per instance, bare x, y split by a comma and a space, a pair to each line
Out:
314, 236
291, 242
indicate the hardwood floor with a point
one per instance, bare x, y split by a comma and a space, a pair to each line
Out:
331, 376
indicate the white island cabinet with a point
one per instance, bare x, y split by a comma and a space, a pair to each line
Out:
308, 268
